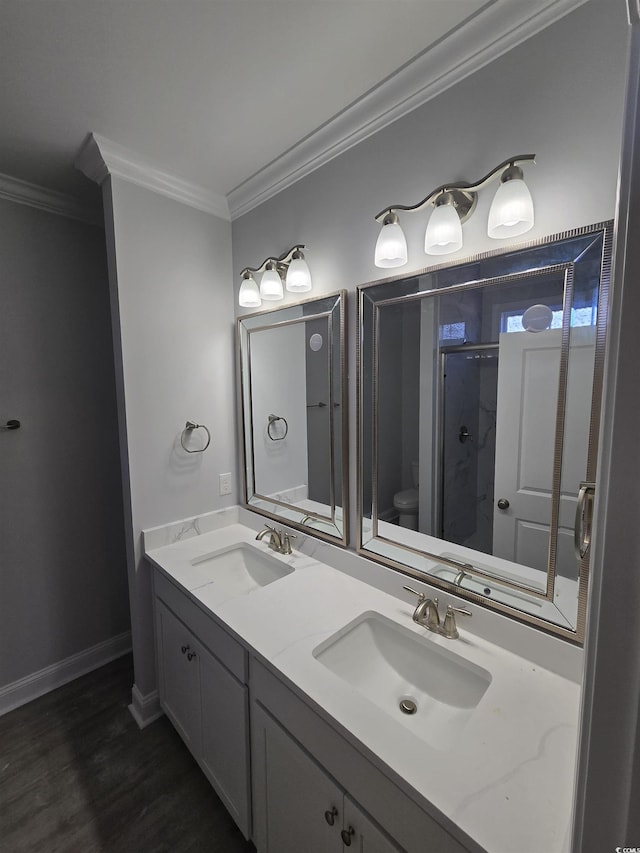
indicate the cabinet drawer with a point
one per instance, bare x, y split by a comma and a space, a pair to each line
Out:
210, 634
401, 817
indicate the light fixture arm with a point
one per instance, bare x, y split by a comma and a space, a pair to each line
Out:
464, 195
280, 264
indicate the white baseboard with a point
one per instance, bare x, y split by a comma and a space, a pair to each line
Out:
145, 708
38, 683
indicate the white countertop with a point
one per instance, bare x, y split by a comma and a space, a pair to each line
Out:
507, 781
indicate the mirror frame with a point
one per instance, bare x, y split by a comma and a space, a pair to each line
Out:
273, 318
394, 556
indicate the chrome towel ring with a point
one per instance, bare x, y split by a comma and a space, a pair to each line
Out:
188, 429
272, 420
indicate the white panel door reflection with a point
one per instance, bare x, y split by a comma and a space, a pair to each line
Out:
528, 388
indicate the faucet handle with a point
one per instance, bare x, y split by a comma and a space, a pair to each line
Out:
421, 595
286, 542
449, 627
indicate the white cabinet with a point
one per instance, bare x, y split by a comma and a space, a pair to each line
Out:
224, 754
297, 806
205, 700
291, 781
303, 770
179, 677
365, 836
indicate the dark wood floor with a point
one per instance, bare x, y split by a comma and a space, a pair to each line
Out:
77, 775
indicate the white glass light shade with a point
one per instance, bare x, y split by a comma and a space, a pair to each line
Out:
298, 276
271, 285
511, 211
391, 248
249, 296
444, 231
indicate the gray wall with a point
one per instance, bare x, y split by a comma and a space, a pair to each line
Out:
63, 584
169, 269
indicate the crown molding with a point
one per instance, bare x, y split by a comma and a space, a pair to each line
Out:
42, 198
100, 157
492, 32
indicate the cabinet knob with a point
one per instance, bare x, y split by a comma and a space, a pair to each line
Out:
191, 655
330, 816
185, 649
347, 835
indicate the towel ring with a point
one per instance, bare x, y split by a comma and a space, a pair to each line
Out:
272, 420
189, 428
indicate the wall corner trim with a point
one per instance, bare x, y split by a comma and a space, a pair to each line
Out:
51, 201
99, 157
38, 683
477, 42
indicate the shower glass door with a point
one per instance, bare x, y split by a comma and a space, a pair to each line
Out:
468, 393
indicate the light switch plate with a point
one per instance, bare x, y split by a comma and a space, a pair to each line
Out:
225, 484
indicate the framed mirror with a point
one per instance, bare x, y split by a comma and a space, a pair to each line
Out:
293, 415
479, 389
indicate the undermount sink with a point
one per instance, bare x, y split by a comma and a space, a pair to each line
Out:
242, 568
427, 687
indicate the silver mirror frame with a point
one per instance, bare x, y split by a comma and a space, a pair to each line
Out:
394, 559
310, 523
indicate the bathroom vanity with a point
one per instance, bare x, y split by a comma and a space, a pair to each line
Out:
284, 676
324, 715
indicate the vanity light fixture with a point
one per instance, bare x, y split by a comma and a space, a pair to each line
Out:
249, 296
291, 265
444, 229
271, 283
298, 275
511, 211
391, 248
510, 215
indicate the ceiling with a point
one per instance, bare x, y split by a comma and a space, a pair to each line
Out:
214, 91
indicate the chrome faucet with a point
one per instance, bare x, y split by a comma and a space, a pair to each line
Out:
279, 540
427, 614
275, 542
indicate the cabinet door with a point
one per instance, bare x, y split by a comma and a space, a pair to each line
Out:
297, 807
362, 833
178, 675
225, 737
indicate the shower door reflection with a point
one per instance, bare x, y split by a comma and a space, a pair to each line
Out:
469, 383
